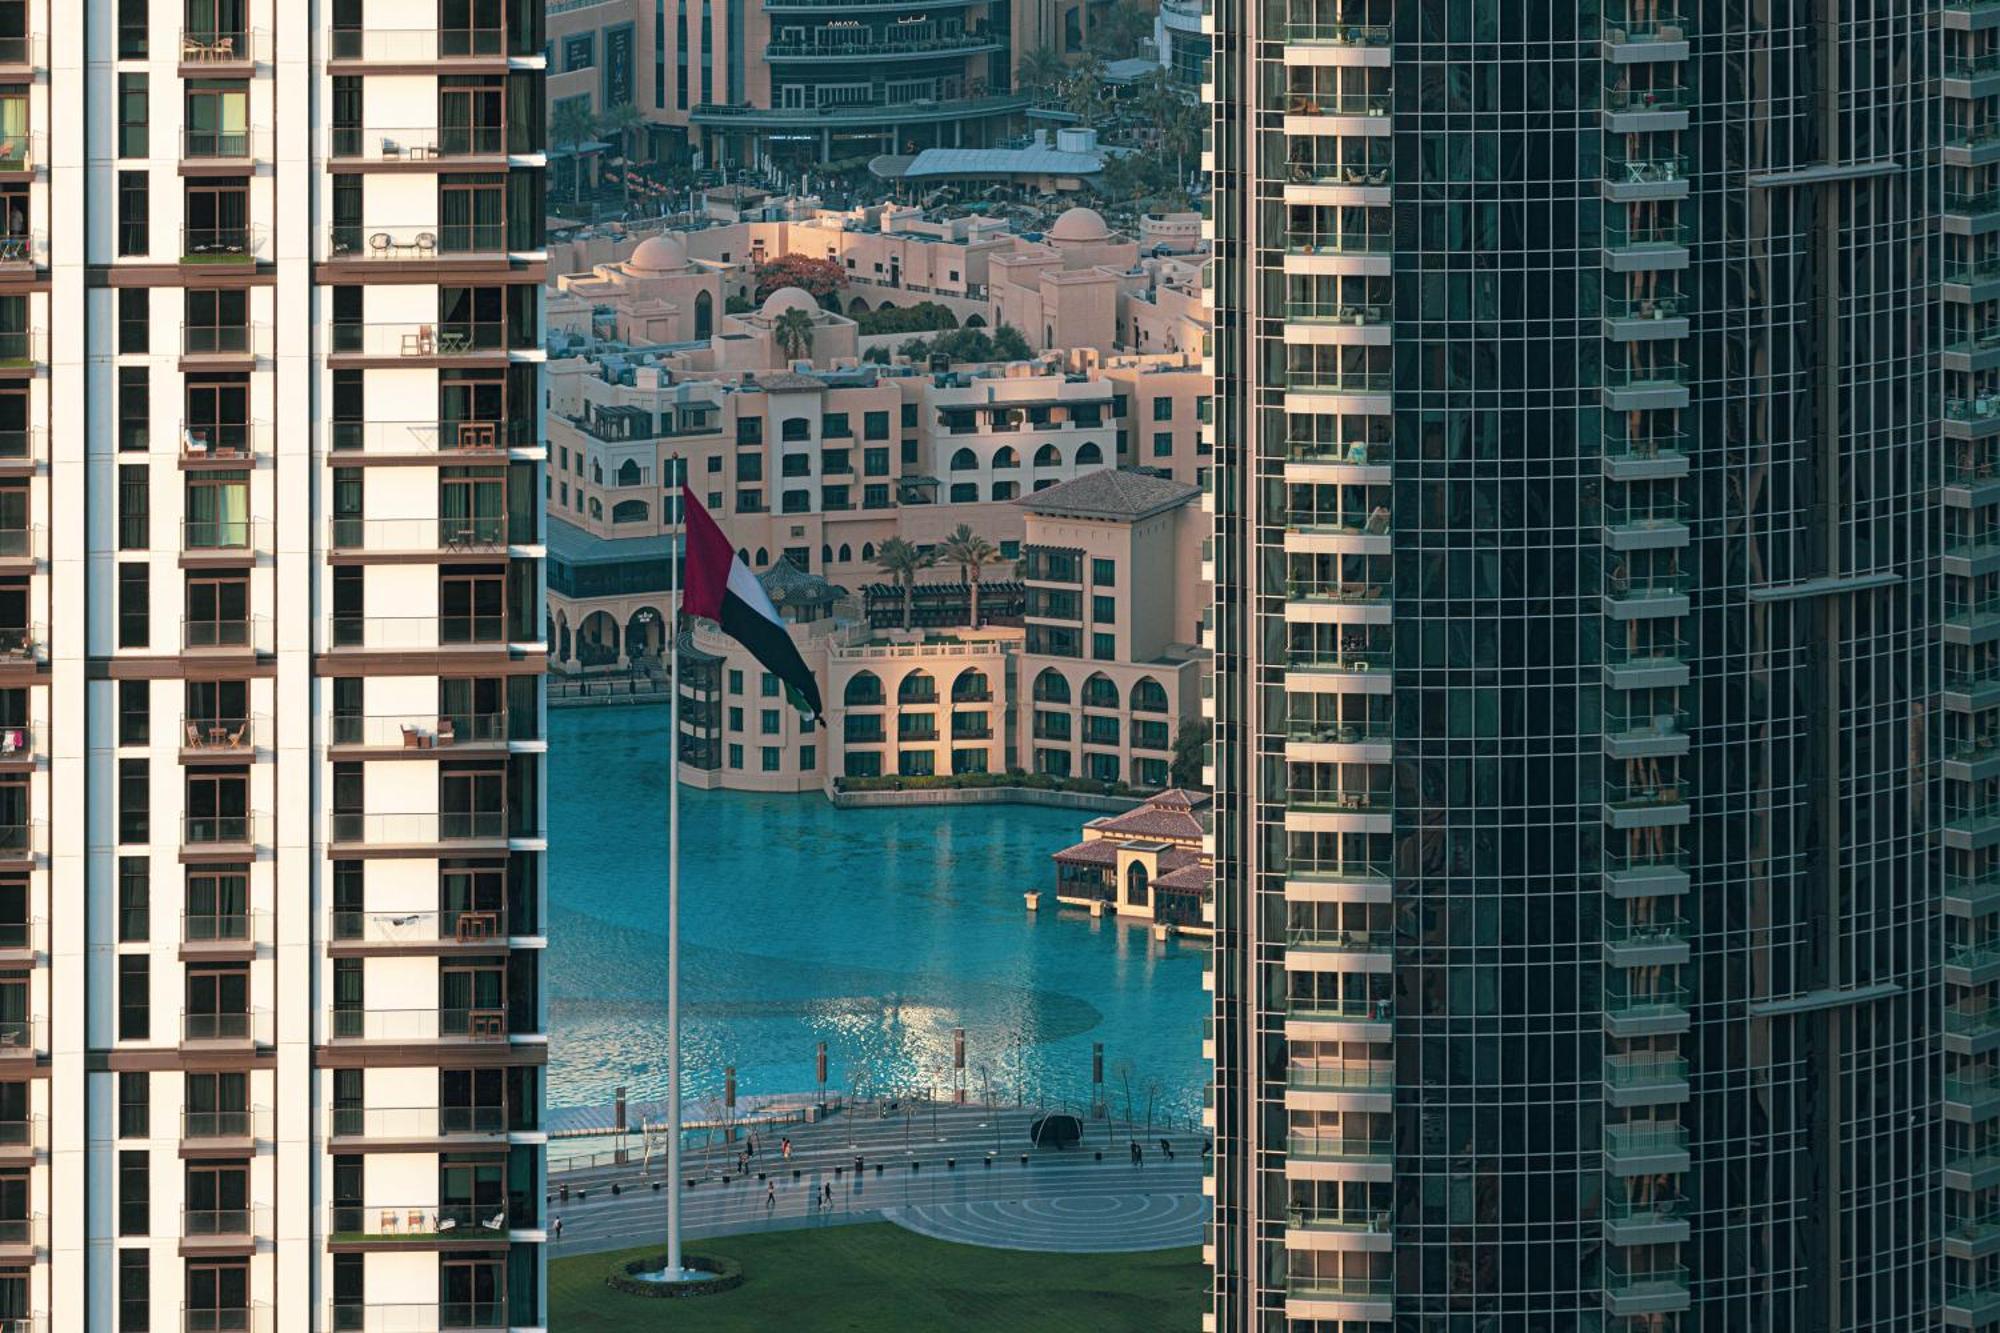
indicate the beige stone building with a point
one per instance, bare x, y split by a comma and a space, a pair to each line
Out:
1148, 863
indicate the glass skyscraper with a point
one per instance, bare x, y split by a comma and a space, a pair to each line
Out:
1607, 635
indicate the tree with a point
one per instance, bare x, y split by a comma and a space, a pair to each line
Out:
901, 561
971, 553
923, 317
1190, 753
876, 356
1083, 90
620, 122
1120, 29
819, 277
572, 126
1009, 345
794, 333
915, 349
1042, 70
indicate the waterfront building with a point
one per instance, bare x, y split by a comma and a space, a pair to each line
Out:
1149, 863
271, 879
800, 82
1599, 928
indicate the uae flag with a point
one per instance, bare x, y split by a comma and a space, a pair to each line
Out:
720, 587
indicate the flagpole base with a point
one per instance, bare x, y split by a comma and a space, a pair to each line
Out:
698, 1275
677, 1275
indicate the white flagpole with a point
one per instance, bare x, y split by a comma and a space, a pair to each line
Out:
675, 556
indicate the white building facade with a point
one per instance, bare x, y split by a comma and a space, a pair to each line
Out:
271, 643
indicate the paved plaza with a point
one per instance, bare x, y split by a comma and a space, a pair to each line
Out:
956, 1176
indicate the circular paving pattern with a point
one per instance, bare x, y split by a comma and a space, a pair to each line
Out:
1085, 1222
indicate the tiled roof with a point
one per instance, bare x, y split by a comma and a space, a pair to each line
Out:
1118, 493
1096, 852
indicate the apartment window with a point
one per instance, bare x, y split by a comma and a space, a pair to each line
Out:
749, 467
1104, 573
134, 319
750, 430
134, 504
133, 714
909, 417
134, 1004
135, 1105
735, 719
135, 409
218, 320
875, 425
134, 800
1163, 444
132, 18
768, 721
134, 1192
132, 117
1163, 409
134, 899
833, 426
767, 685
770, 758
134, 606
1104, 647
808, 758
135, 1290
217, 122
875, 462
736, 756
132, 212
1104, 610
735, 681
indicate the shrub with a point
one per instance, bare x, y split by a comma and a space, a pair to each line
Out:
728, 1275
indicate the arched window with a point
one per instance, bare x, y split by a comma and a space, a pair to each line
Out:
1100, 692
763, 558
795, 428
857, 307
964, 461
1088, 453
917, 688
962, 492
825, 555
1006, 490
596, 507
868, 550
1138, 886
704, 315
1048, 456
1149, 696
1051, 687
1005, 456
864, 690
630, 511
628, 472
971, 687
1045, 483
846, 554
975, 321
743, 555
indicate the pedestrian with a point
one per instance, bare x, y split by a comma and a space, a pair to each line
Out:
558, 1227
1167, 1149
829, 1194
787, 1147
770, 1195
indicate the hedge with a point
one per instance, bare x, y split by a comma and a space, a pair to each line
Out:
727, 1276
1036, 781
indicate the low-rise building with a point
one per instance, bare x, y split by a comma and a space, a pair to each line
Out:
1146, 863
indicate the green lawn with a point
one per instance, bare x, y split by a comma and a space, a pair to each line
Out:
883, 1279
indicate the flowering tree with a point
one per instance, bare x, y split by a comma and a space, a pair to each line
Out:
821, 277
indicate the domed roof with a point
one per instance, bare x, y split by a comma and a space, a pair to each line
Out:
789, 298
788, 585
1080, 224
665, 253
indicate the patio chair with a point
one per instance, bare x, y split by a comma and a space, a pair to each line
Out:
497, 1222
388, 1222
427, 242
446, 732
412, 738
236, 736
416, 1222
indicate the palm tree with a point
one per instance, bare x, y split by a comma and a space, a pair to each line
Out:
1042, 69
971, 553
572, 126
794, 332
901, 561
619, 123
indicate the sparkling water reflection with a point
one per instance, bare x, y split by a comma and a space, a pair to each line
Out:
877, 932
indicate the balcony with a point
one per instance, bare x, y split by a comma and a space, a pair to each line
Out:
1644, 736
1972, 1025
418, 46
223, 1228
22, 153
453, 537
23, 843
415, 1124
20, 349
1645, 1221
428, 731
216, 935
1660, 1289
446, 441
1633, 1011
228, 739
221, 50
1644, 176
1970, 823
252, 1318
406, 830
1972, 1095
21, 1140
1971, 895
425, 931
425, 242
1331, 103
1645, 1078
227, 636
228, 541
230, 151
21, 546
421, 342
448, 632
223, 345
1644, 594
223, 245
22, 1238
451, 1317
1653, 526
21, 1039
206, 1028
1361, 1221
419, 1224
476, 1026
1341, 1148
1340, 1009
1659, 939
1331, 32
1379, 944
227, 834
23, 250
1972, 964
1972, 208
1325, 592
957, 44
1636, 247
1646, 1148
843, 115
1346, 1076
23, 53
227, 1126
355, 145
1653, 33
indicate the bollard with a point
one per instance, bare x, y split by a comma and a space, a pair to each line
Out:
656, 1187
989, 1160
1099, 1154
614, 1189
914, 1165
795, 1173
1024, 1159
878, 1168
951, 1164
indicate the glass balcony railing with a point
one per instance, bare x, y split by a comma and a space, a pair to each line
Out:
1342, 243
1667, 97
1339, 1148
1971, 66
1663, 1000
1339, 1287
441, 1024
1338, 379
392, 1317
1646, 375
1645, 168
1971, 203
1336, 173
1329, 800
1974, 1087
1977, 1017
434, 1220
1352, 594
1624, 585
1336, 104
416, 1122
422, 241
467, 533
1327, 939
1621, 233
1372, 1221
1645, 1139
1644, 1070
419, 143
1358, 1075
1338, 731
420, 829
1330, 32
1660, 1280
1337, 1008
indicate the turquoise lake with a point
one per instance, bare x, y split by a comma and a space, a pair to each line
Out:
876, 931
